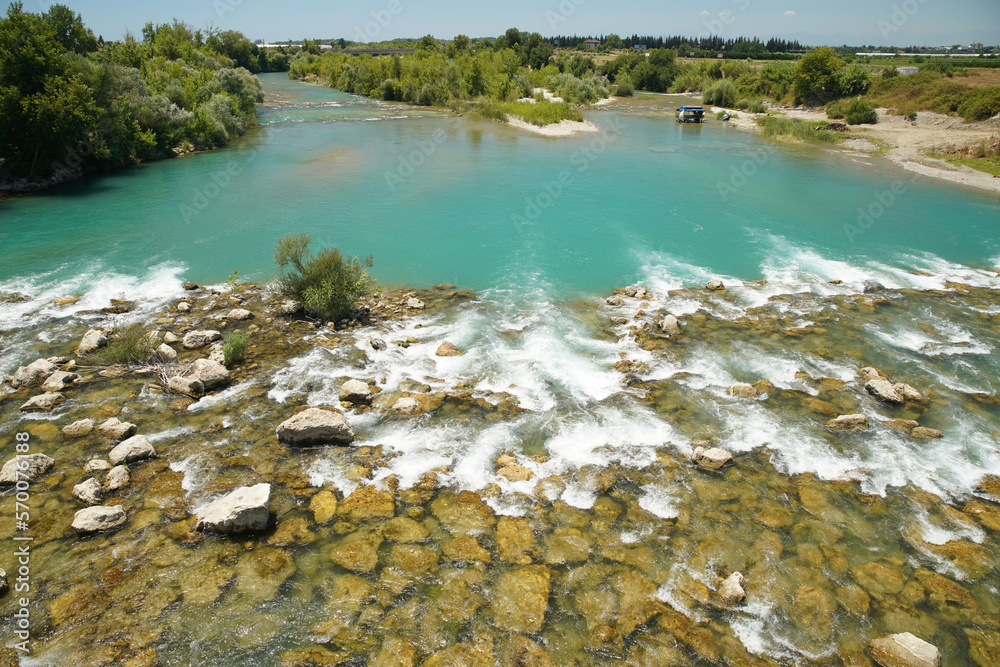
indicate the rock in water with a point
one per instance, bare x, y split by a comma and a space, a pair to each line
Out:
883, 391
743, 391
406, 406
136, 448
715, 285
117, 478
59, 381
196, 339
92, 341
448, 349
46, 402
78, 428
245, 508
26, 468
189, 386
870, 373
33, 374
670, 325
414, 303
116, 429
166, 354
712, 459
212, 374
731, 591
88, 492
907, 392
848, 422
315, 426
905, 650
239, 314
355, 391
924, 433
95, 519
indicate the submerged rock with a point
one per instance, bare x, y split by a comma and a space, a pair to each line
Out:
848, 423
323, 506
883, 391
711, 459
315, 426
904, 650
521, 598
245, 508
924, 433
27, 468
92, 341
79, 428
360, 555
88, 492
731, 591
367, 502
46, 402
448, 349
33, 374
136, 448
355, 391
96, 519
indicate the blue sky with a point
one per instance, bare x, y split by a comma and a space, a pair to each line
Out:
900, 22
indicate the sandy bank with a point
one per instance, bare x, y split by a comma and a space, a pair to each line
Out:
563, 128
906, 143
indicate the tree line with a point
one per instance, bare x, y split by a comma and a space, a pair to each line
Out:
71, 102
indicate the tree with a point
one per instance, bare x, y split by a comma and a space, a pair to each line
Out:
613, 41
815, 75
854, 80
69, 29
513, 36
461, 42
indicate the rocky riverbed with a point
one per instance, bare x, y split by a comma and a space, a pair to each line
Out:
349, 494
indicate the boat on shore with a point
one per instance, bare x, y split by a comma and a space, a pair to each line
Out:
690, 114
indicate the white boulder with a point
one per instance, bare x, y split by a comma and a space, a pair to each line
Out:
246, 508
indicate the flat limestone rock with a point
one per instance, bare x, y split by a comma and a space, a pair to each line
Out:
315, 426
211, 373
136, 448
26, 468
46, 402
848, 423
904, 650
711, 459
116, 429
99, 518
195, 339
59, 381
245, 508
414, 303
79, 428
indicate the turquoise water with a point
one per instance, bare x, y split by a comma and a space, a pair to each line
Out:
645, 191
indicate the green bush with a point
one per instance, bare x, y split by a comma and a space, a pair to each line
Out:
835, 110
757, 107
742, 103
624, 89
906, 112
721, 93
537, 113
854, 80
328, 283
857, 113
234, 347
131, 344
982, 104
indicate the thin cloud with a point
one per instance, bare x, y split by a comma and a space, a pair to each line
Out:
704, 13
790, 13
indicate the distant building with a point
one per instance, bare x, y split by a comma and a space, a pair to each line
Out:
976, 46
592, 43
907, 71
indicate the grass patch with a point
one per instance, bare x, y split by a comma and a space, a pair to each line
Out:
799, 130
933, 91
234, 347
129, 345
988, 165
537, 113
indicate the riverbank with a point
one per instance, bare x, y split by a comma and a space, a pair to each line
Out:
904, 142
469, 516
